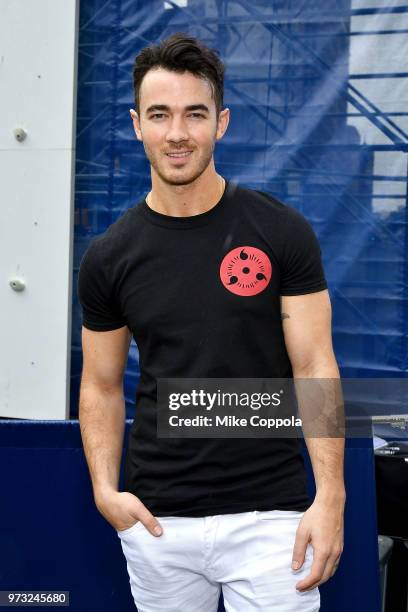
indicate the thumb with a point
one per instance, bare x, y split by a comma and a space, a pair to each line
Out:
149, 521
299, 549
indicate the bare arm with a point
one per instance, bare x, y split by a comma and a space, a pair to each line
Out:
102, 423
101, 404
306, 321
307, 330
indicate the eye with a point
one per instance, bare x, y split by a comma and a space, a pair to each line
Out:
156, 115
195, 115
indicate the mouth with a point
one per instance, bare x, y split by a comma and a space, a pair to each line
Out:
179, 154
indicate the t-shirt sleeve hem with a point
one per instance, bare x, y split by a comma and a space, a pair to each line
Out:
304, 290
103, 327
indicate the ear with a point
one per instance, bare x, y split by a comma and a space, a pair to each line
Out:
136, 123
222, 124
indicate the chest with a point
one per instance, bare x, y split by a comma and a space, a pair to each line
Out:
187, 280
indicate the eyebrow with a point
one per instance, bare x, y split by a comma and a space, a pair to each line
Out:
164, 107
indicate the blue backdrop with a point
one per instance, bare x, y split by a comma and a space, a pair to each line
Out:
318, 98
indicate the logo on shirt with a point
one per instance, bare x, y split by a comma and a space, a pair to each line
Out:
246, 271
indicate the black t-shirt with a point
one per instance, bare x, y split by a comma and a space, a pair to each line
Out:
195, 311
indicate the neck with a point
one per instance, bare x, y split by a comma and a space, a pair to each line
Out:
186, 200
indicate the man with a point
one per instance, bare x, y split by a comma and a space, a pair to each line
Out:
200, 514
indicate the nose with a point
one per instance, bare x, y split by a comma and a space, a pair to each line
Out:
177, 131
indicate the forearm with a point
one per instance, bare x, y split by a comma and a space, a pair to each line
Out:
327, 458
102, 423
324, 427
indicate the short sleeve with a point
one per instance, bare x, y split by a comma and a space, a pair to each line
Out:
302, 270
99, 312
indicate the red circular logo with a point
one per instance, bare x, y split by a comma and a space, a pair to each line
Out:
246, 270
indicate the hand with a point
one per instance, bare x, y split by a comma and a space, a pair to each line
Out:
123, 510
322, 527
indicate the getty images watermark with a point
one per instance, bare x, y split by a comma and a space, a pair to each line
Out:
277, 407
219, 400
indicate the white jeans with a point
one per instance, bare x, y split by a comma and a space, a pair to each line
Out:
248, 555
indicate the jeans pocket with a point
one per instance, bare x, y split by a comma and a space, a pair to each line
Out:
130, 529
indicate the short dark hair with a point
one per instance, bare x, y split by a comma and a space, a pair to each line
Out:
180, 52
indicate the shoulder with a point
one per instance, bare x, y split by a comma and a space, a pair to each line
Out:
257, 198
124, 226
116, 236
269, 207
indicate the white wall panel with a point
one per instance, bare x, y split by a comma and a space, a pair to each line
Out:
38, 51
